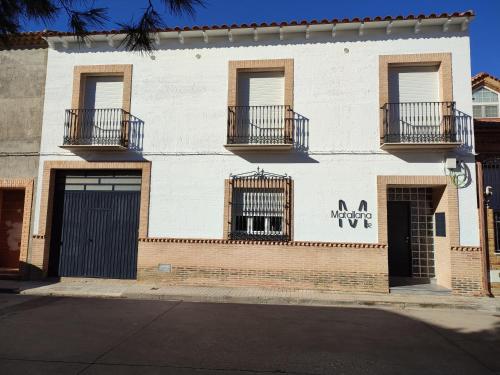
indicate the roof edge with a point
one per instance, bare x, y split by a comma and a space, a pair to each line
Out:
467, 14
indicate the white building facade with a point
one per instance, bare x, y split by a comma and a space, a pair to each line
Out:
333, 155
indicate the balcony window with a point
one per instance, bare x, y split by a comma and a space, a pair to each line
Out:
260, 116
260, 207
485, 103
260, 106
415, 114
99, 115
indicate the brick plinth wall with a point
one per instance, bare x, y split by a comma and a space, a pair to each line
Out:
466, 271
304, 265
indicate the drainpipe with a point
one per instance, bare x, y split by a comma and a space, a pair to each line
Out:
482, 228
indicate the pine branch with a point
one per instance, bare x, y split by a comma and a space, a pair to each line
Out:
179, 7
80, 22
138, 36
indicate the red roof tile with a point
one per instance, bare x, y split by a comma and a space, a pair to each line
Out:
468, 13
485, 79
25, 40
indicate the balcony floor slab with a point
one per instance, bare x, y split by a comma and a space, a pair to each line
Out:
244, 147
95, 147
420, 146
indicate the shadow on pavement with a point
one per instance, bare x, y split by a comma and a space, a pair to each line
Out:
45, 335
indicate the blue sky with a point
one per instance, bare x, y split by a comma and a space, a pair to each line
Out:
485, 30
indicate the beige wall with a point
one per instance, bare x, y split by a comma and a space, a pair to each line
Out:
22, 88
442, 254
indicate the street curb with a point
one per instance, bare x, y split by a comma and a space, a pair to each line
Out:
291, 301
353, 301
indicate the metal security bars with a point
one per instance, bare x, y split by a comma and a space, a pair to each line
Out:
491, 177
260, 207
420, 122
496, 223
269, 124
96, 127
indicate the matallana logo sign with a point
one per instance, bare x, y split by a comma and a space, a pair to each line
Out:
353, 216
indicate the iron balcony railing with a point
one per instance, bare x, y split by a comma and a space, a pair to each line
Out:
96, 127
264, 124
420, 122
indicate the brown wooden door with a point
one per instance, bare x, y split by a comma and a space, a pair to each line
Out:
11, 223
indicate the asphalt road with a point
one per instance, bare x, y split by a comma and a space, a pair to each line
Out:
49, 335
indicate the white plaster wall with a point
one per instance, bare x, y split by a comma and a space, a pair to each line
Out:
182, 100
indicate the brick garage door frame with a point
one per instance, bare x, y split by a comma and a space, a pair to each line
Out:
41, 240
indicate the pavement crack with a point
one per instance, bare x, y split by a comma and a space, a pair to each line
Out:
243, 371
111, 364
130, 335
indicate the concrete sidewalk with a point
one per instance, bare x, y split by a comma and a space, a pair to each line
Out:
131, 289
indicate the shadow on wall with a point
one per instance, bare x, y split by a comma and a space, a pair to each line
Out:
277, 158
297, 38
299, 152
301, 133
465, 132
135, 133
29, 271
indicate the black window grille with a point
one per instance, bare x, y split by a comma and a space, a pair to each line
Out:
260, 207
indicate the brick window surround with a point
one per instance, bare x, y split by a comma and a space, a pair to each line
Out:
237, 66
25, 184
40, 252
82, 71
443, 60
285, 184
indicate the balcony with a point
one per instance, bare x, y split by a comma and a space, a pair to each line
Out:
101, 129
422, 125
269, 127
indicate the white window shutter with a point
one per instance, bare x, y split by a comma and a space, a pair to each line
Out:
414, 84
261, 88
103, 92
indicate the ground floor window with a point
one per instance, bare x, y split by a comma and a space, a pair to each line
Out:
260, 206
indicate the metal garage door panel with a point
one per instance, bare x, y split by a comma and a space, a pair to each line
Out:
96, 221
99, 234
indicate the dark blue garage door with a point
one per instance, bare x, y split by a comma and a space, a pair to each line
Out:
95, 224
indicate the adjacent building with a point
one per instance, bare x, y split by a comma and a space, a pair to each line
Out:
23, 62
333, 154
485, 96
